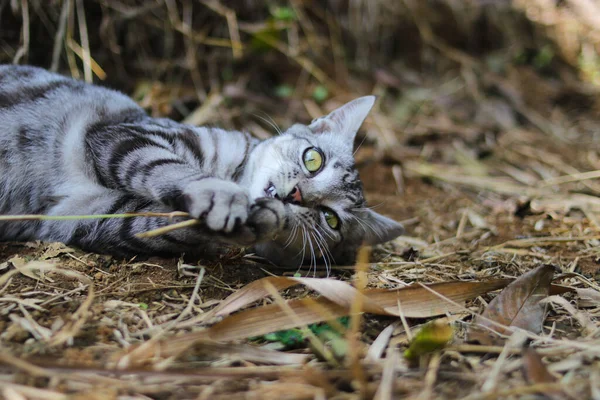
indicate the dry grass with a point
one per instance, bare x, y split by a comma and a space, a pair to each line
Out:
484, 142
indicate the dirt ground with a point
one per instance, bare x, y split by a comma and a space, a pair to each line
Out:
131, 296
484, 143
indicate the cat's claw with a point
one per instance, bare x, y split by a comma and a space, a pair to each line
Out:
221, 205
266, 220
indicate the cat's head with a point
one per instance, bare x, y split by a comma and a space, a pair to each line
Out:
311, 168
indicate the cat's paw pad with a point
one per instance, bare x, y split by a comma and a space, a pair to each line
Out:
266, 218
220, 205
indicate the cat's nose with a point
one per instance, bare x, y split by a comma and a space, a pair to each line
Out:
295, 196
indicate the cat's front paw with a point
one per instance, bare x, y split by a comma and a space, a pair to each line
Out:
266, 218
219, 204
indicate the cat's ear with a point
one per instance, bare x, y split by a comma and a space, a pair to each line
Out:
346, 119
379, 229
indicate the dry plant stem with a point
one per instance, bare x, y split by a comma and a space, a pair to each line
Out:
314, 340
356, 309
80, 52
187, 310
385, 389
24, 49
231, 17
37, 217
17, 392
524, 390
60, 34
69, 38
515, 341
83, 34
431, 376
168, 228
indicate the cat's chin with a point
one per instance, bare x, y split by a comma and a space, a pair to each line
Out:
279, 255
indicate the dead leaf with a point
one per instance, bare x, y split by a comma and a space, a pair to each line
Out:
416, 302
588, 297
519, 305
29, 269
535, 371
53, 250
582, 318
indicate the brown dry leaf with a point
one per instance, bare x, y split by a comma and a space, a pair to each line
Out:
536, 372
338, 292
53, 250
589, 327
416, 302
588, 297
519, 305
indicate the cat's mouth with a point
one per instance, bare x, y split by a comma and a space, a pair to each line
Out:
294, 197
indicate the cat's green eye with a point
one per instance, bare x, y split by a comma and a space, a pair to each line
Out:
313, 159
332, 219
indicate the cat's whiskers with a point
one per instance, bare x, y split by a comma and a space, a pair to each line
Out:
358, 209
360, 144
308, 241
313, 257
303, 250
323, 249
292, 235
366, 225
269, 121
328, 253
325, 232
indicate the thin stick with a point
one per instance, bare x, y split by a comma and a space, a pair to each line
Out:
24, 49
60, 34
168, 228
37, 217
85, 43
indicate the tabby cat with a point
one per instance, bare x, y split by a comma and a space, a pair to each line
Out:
71, 148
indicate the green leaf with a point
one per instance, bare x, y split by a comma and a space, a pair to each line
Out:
284, 91
543, 58
143, 306
262, 40
289, 338
283, 13
320, 94
433, 336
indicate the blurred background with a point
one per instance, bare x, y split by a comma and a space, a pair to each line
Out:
487, 113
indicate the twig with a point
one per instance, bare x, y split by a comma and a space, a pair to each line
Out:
60, 34
83, 35
168, 228
24, 49
37, 217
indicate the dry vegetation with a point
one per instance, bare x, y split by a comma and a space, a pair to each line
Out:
484, 142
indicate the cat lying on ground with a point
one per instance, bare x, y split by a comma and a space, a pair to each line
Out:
71, 148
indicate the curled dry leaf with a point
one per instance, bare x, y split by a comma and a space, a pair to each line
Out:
519, 305
336, 301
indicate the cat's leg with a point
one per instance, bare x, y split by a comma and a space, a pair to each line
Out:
168, 169
120, 236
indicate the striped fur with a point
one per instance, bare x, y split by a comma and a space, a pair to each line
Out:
69, 148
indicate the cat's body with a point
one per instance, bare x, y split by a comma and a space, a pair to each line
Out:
69, 148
